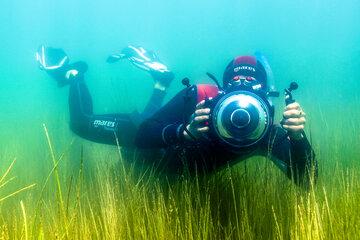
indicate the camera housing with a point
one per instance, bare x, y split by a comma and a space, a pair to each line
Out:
241, 117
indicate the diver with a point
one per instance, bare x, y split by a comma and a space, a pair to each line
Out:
113, 129
206, 127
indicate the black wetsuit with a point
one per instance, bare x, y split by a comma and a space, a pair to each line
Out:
106, 127
164, 130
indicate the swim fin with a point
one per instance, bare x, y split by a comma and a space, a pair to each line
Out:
115, 57
50, 58
145, 60
56, 63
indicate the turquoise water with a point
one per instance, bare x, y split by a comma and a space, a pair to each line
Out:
316, 43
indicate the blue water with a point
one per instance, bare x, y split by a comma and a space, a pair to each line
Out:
316, 43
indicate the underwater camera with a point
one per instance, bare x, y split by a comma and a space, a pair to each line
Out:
241, 116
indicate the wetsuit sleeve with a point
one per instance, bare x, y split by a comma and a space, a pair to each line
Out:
166, 126
295, 158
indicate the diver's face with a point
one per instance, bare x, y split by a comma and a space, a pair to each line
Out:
246, 81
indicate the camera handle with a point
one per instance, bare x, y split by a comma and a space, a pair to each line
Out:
289, 98
288, 93
186, 82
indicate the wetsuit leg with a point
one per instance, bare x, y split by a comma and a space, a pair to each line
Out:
105, 128
153, 105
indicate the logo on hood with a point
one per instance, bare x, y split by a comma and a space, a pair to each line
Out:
248, 68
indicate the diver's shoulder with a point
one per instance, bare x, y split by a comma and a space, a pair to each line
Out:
206, 85
205, 91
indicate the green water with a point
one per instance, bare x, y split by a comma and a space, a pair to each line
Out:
316, 43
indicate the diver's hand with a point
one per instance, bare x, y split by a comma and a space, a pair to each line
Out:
294, 120
198, 118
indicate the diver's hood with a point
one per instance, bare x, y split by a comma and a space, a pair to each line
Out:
240, 119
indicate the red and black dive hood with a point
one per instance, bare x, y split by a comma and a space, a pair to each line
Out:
247, 66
